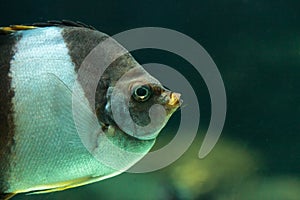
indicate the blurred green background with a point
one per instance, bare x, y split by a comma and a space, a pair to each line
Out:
256, 46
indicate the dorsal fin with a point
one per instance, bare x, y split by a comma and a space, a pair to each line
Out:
14, 28
63, 23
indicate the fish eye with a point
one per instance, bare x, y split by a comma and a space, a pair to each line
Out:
142, 93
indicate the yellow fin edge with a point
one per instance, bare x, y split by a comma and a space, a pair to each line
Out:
13, 28
63, 185
60, 186
7, 196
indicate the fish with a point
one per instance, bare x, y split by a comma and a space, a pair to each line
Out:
55, 133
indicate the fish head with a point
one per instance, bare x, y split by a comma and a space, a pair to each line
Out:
140, 105
144, 95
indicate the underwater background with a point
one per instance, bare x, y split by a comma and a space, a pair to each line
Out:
256, 47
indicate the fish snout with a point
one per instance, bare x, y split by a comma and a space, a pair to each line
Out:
174, 100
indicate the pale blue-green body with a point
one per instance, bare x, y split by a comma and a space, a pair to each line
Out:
48, 150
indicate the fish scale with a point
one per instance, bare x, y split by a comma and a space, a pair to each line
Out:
47, 143
32, 99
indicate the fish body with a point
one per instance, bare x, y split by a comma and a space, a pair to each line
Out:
41, 149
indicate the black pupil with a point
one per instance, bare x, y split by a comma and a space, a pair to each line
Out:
141, 91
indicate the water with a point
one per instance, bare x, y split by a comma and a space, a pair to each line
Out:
256, 46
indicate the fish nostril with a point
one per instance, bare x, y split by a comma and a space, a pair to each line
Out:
165, 87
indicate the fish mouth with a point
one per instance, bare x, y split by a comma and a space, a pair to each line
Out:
175, 100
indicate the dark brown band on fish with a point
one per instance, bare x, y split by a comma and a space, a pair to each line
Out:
80, 42
7, 46
109, 78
